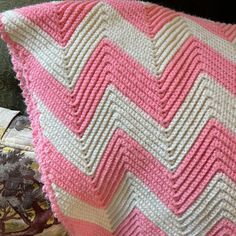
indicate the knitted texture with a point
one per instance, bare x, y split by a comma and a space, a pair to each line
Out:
133, 109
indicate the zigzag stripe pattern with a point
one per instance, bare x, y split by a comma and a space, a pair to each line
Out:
213, 204
120, 113
133, 109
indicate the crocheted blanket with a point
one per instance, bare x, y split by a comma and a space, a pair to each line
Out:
133, 108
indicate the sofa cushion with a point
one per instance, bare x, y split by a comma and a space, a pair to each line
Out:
10, 93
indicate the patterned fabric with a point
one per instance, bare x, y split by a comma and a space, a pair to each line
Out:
23, 207
133, 108
14, 218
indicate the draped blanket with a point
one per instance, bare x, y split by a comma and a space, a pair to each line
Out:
133, 109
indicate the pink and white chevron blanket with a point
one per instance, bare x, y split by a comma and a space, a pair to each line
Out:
133, 109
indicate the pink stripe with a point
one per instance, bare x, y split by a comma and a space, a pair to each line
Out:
229, 31
71, 14
210, 154
223, 227
49, 24
84, 228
